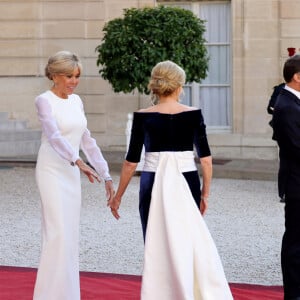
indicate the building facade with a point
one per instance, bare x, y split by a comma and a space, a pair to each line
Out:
247, 41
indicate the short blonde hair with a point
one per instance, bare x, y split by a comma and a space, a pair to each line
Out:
166, 77
62, 62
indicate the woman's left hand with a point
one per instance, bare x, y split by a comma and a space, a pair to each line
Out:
109, 187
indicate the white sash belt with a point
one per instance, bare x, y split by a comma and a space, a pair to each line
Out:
185, 160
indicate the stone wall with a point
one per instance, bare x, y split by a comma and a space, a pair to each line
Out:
30, 31
262, 32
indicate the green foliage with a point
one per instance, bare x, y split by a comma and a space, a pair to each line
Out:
134, 44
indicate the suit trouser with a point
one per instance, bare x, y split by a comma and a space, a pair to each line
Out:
290, 251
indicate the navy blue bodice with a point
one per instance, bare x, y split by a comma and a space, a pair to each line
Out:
167, 132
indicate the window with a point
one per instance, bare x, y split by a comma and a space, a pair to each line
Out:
213, 95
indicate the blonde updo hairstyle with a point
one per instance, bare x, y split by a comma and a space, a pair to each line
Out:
166, 77
62, 62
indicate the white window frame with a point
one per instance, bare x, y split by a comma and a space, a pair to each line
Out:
195, 87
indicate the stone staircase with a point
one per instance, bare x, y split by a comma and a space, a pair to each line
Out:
16, 140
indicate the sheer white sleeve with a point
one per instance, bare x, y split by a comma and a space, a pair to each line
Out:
51, 131
94, 155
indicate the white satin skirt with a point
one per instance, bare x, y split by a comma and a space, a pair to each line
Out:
181, 261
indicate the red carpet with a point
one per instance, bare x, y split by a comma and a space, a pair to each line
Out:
17, 284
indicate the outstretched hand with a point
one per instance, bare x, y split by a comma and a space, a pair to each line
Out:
203, 206
114, 204
109, 187
88, 171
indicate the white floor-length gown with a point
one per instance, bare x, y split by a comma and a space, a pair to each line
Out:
64, 132
181, 261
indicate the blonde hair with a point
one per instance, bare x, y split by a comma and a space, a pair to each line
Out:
62, 62
166, 77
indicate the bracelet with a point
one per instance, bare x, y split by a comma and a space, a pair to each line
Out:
204, 198
108, 179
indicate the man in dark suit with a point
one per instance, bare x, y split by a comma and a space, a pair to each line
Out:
272, 101
286, 131
270, 108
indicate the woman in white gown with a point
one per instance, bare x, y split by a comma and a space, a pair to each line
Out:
181, 261
64, 133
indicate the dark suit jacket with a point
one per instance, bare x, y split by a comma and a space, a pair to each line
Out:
286, 131
272, 101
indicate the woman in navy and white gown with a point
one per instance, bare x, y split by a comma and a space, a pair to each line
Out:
64, 132
181, 261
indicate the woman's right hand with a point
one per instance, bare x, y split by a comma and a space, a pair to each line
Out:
114, 205
88, 171
203, 205
127, 172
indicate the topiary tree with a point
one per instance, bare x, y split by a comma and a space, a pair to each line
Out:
134, 44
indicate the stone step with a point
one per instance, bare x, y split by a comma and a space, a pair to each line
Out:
19, 148
16, 139
3, 116
20, 135
12, 125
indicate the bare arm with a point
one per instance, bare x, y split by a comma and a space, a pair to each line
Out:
206, 167
127, 172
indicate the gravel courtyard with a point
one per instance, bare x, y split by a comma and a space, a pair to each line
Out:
245, 219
